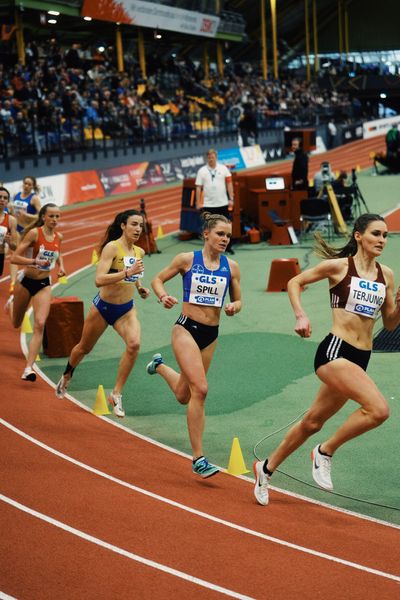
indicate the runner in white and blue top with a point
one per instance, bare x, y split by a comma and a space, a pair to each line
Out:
26, 204
207, 276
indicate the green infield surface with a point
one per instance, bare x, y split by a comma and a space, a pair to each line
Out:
261, 377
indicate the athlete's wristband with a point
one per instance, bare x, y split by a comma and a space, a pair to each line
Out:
161, 298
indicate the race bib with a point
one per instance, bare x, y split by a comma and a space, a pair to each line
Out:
3, 233
128, 262
19, 206
207, 290
50, 255
365, 297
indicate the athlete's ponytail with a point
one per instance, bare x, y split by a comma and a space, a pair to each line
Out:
324, 250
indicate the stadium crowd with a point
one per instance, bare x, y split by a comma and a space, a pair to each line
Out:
62, 99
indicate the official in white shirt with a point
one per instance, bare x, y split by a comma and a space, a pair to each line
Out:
214, 180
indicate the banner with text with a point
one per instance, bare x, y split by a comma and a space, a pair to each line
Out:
153, 15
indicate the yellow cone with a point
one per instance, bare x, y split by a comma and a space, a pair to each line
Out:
37, 358
236, 465
100, 406
160, 232
63, 280
95, 257
26, 326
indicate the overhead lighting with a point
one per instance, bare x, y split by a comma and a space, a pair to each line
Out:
101, 48
53, 12
52, 21
157, 35
382, 95
87, 18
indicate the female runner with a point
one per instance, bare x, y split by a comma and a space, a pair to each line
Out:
38, 252
359, 288
8, 227
118, 271
207, 276
25, 208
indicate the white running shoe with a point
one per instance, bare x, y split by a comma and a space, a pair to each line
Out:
28, 374
262, 482
321, 469
61, 388
116, 401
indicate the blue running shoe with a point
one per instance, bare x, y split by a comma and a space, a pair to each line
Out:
157, 360
202, 467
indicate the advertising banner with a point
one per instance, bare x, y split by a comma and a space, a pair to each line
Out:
81, 186
380, 126
152, 14
350, 133
129, 178
120, 180
252, 156
64, 189
232, 158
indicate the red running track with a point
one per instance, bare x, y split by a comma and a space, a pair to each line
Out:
90, 510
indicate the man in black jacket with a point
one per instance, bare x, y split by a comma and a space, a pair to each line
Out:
300, 166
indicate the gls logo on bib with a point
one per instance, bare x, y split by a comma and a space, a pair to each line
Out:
365, 297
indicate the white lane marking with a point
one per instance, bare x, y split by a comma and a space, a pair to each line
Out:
136, 557
199, 513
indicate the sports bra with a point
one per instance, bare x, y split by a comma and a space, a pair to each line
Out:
359, 296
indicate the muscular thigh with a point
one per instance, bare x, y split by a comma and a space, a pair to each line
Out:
93, 327
128, 327
192, 362
350, 381
41, 303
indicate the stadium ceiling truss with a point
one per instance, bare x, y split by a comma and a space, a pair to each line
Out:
369, 26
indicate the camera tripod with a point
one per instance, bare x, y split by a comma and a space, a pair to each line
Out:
358, 198
328, 191
146, 231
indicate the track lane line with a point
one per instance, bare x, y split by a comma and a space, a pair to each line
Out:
125, 553
199, 513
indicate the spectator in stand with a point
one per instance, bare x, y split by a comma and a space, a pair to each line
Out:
332, 133
248, 125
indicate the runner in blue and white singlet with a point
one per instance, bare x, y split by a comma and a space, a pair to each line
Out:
203, 286
207, 276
